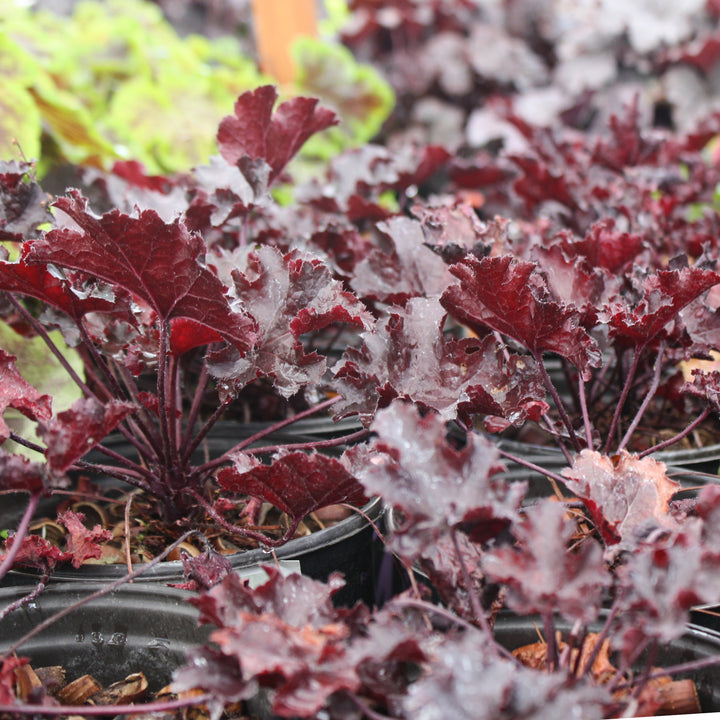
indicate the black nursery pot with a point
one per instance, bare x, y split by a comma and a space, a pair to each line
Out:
136, 628
351, 546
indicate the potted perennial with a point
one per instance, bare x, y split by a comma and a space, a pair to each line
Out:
172, 323
546, 608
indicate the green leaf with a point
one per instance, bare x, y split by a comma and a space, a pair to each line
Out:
357, 92
20, 119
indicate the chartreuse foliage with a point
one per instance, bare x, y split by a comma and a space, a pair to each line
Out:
115, 81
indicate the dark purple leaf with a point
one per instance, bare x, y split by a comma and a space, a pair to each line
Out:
294, 482
287, 295
203, 571
407, 269
511, 297
257, 133
541, 574
284, 635
605, 247
36, 281
407, 356
228, 602
665, 294
660, 581
439, 561
466, 678
627, 145
17, 393
454, 231
435, 485
74, 432
139, 254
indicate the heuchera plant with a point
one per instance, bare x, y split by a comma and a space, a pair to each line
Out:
170, 332
572, 321
595, 601
596, 338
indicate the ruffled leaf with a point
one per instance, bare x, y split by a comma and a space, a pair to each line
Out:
623, 493
512, 298
17, 393
139, 254
258, 133
76, 431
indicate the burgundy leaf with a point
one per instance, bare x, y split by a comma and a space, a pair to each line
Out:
540, 573
139, 255
454, 231
624, 494
16, 392
407, 356
187, 334
82, 543
204, 570
284, 634
435, 485
660, 581
574, 282
230, 600
665, 294
23, 204
605, 247
287, 295
407, 269
74, 432
36, 552
465, 679
19, 473
256, 132
36, 281
511, 297
295, 482
627, 145
439, 561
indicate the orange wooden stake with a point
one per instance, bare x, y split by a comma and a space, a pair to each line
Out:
277, 24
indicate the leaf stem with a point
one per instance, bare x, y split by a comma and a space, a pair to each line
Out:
584, 410
530, 465
676, 438
553, 656
160, 706
560, 406
212, 464
623, 398
200, 387
20, 533
312, 444
42, 332
646, 400
475, 604
162, 361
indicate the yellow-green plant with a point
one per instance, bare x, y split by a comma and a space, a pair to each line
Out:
115, 81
